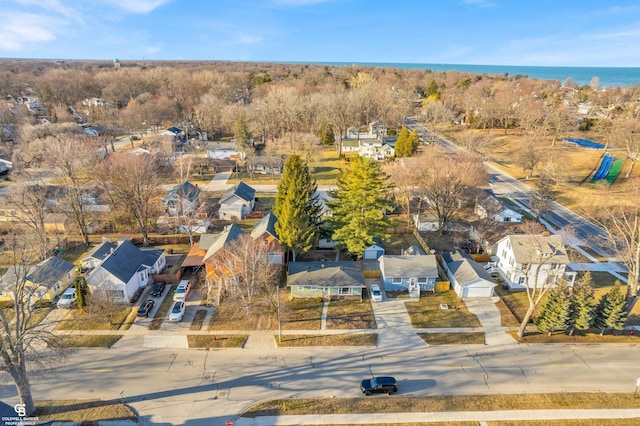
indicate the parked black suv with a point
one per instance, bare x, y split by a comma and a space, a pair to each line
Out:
157, 289
386, 385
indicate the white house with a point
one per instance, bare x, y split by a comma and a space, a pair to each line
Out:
236, 202
183, 200
124, 270
492, 208
532, 260
468, 278
410, 272
426, 222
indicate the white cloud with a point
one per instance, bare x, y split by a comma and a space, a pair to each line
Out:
19, 30
137, 6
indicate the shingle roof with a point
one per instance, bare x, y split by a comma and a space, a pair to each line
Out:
206, 240
187, 190
241, 190
230, 234
537, 248
409, 266
127, 259
326, 274
465, 269
265, 225
101, 251
45, 273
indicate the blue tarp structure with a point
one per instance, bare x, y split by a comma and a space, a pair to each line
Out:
585, 143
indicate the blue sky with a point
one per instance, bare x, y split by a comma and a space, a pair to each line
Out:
493, 32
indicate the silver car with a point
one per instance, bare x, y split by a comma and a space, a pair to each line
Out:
177, 311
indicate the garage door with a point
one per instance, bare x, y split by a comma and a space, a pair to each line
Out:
476, 292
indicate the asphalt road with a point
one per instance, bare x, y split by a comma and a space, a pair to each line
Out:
207, 387
506, 186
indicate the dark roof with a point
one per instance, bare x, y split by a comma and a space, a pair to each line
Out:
265, 225
127, 259
241, 190
326, 274
45, 273
465, 269
187, 191
101, 251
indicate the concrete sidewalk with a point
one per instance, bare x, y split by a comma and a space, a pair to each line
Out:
458, 416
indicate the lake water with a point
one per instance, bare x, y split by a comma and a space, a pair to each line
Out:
609, 76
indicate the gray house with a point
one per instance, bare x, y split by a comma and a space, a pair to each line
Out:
325, 279
409, 272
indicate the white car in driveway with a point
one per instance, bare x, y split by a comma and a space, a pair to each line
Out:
182, 291
376, 293
177, 311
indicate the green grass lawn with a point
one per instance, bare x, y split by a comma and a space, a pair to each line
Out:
327, 168
426, 312
398, 242
350, 314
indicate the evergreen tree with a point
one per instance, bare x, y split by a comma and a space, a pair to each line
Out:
612, 309
241, 133
359, 205
297, 207
327, 136
583, 303
413, 141
555, 314
402, 148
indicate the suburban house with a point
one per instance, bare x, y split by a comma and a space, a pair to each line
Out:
265, 230
124, 270
325, 279
492, 208
265, 165
468, 278
184, 199
176, 132
532, 260
373, 144
374, 251
409, 272
236, 202
97, 255
214, 257
45, 281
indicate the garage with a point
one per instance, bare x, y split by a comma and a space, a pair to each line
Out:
468, 277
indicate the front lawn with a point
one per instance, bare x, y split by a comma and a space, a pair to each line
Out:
350, 314
90, 341
85, 411
77, 319
623, 336
359, 339
203, 341
516, 301
428, 313
473, 338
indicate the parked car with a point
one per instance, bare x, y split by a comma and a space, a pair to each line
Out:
376, 293
68, 299
385, 384
145, 308
158, 288
177, 311
182, 291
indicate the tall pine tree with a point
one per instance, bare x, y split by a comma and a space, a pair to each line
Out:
583, 304
402, 147
555, 314
359, 205
297, 207
612, 309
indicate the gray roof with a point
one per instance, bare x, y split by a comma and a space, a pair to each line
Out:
326, 274
537, 248
206, 240
265, 225
413, 250
241, 190
187, 191
409, 266
101, 251
231, 233
127, 259
465, 269
45, 273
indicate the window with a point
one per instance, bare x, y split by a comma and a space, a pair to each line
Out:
344, 290
521, 280
422, 280
307, 287
397, 280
